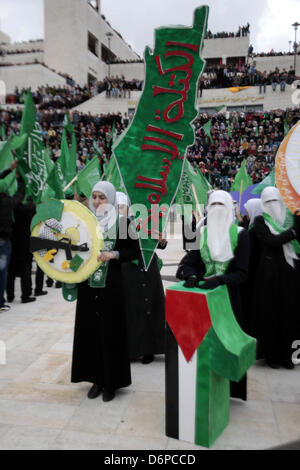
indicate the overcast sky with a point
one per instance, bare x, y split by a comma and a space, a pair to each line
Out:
270, 20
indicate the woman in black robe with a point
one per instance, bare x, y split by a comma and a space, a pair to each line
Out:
100, 350
145, 308
277, 281
193, 268
253, 210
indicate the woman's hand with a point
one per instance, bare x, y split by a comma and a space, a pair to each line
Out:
105, 256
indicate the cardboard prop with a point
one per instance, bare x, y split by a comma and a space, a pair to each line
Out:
287, 168
150, 155
66, 239
205, 349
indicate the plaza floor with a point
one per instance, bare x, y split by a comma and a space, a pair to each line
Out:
41, 409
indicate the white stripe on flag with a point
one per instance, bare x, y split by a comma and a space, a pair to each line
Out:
187, 396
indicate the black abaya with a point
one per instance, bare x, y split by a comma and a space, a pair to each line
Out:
100, 350
276, 296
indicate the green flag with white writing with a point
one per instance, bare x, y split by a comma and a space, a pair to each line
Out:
31, 161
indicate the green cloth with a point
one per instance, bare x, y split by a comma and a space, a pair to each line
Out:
216, 268
280, 229
206, 129
88, 177
242, 180
9, 183
31, 161
268, 181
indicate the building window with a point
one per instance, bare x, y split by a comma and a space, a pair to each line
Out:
107, 55
93, 44
91, 79
94, 4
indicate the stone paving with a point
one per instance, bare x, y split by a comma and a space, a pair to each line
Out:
41, 409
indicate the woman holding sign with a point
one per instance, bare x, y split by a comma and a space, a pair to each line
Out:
100, 352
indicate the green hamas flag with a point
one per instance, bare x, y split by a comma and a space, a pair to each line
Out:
47, 192
6, 158
286, 128
2, 132
151, 152
206, 129
88, 177
242, 180
31, 160
60, 176
112, 174
229, 129
219, 108
268, 181
193, 187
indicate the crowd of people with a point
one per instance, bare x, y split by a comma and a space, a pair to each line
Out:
58, 97
232, 75
254, 136
243, 31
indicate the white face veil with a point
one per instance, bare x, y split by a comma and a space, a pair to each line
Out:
106, 213
273, 204
254, 209
219, 221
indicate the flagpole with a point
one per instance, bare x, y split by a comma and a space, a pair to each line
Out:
240, 198
197, 201
70, 184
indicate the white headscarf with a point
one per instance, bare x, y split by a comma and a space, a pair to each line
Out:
273, 205
122, 198
219, 220
254, 209
107, 217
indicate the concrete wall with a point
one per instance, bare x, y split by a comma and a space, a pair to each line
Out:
251, 97
29, 76
4, 38
211, 99
227, 47
24, 46
269, 64
67, 25
100, 104
129, 71
22, 58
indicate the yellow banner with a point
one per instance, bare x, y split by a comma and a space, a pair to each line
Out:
237, 89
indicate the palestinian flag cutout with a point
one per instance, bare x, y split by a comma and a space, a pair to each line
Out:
205, 349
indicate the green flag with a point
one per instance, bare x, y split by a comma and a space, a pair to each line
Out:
88, 177
242, 180
111, 174
268, 181
48, 192
97, 149
193, 187
219, 108
206, 129
63, 171
286, 128
6, 158
229, 129
2, 132
31, 161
